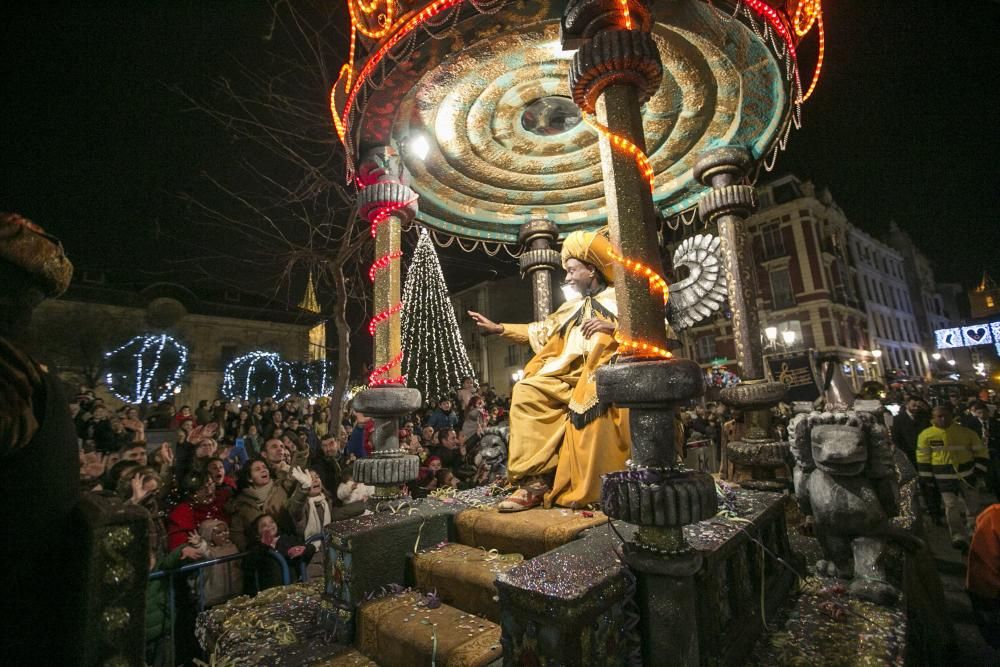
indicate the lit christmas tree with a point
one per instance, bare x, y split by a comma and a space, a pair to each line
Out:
147, 369
435, 360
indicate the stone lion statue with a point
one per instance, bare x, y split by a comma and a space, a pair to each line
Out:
846, 479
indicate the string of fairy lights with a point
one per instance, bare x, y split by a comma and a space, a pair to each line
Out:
436, 359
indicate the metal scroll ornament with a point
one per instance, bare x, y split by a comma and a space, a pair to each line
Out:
703, 291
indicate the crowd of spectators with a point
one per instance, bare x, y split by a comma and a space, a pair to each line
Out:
230, 478
269, 476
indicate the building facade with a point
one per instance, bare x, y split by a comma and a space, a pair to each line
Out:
74, 331
928, 304
892, 327
799, 248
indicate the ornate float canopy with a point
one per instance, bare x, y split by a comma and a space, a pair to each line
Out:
474, 94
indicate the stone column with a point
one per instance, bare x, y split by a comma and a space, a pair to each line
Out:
729, 203
539, 260
613, 73
386, 202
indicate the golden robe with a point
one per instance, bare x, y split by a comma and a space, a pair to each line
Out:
556, 421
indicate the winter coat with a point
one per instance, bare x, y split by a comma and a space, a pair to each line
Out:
246, 507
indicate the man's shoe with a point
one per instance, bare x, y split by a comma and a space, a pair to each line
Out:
529, 495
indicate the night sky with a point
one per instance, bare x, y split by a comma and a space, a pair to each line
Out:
97, 147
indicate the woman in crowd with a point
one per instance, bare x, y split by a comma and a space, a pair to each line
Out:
475, 418
260, 494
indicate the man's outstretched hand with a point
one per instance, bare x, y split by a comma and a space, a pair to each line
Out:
486, 326
597, 325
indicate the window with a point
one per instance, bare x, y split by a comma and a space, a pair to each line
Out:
989, 301
705, 348
772, 240
764, 199
782, 295
513, 357
786, 192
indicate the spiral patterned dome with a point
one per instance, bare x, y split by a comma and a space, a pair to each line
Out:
506, 143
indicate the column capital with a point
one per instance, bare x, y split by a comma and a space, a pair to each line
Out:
615, 57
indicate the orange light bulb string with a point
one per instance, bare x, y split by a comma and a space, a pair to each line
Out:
626, 147
656, 284
626, 14
807, 14
428, 12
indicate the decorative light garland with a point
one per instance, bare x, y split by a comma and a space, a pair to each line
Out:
376, 379
656, 284
656, 281
641, 348
436, 358
774, 18
144, 390
382, 263
238, 376
409, 26
385, 212
808, 13
625, 146
381, 317
626, 14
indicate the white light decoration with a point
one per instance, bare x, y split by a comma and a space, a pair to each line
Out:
969, 336
255, 376
435, 360
146, 369
788, 337
315, 378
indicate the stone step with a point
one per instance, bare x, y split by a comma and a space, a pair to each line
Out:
401, 630
463, 576
529, 533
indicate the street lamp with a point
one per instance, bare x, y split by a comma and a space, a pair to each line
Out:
877, 354
951, 362
936, 356
788, 337
772, 334
517, 376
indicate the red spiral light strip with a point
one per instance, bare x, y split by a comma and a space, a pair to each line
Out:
383, 316
375, 378
382, 263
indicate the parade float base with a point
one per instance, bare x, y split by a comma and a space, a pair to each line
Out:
438, 600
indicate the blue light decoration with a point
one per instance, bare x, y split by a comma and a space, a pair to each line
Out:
146, 369
314, 379
971, 335
256, 376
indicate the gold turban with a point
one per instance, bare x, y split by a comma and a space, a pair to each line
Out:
590, 247
26, 246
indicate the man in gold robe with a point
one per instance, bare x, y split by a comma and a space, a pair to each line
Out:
562, 439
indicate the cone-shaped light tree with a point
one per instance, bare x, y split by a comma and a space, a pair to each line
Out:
435, 360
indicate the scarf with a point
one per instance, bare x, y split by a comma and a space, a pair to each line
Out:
315, 507
260, 493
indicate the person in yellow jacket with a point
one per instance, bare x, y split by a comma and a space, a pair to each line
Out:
562, 439
952, 455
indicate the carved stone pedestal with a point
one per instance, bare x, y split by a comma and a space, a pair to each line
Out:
388, 468
659, 498
759, 453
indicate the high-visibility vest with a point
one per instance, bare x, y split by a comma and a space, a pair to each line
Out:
952, 453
